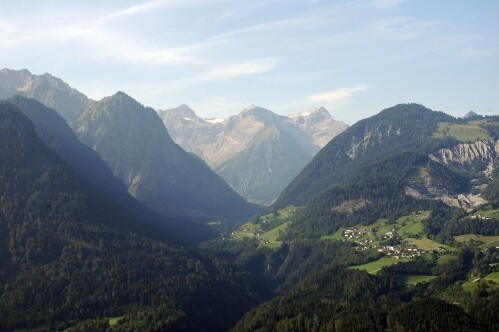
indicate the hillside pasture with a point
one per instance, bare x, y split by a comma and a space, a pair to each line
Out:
465, 133
375, 266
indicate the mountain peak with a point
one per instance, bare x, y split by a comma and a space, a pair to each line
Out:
14, 79
253, 108
259, 113
316, 110
471, 114
180, 113
122, 97
185, 111
11, 71
121, 94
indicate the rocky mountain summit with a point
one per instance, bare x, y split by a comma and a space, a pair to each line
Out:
47, 89
318, 124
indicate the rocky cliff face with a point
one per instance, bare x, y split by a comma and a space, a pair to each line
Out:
467, 154
475, 162
229, 146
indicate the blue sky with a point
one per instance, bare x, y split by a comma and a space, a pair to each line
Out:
353, 57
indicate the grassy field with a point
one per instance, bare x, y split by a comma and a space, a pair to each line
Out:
338, 235
487, 241
411, 225
273, 234
463, 133
410, 280
283, 214
427, 244
374, 267
489, 213
252, 229
113, 321
494, 277
491, 280
469, 286
446, 259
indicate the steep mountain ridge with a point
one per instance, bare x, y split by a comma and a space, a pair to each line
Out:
405, 126
58, 136
134, 143
47, 89
222, 144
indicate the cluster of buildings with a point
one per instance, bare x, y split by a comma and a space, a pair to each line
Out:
398, 252
255, 233
479, 216
355, 233
367, 239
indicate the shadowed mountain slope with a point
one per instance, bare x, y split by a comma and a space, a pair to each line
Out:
136, 146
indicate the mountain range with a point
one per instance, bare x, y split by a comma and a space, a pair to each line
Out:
161, 175
133, 141
257, 151
392, 225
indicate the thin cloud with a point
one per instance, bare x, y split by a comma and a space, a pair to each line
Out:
137, 9
6, 26
272, 25
167, 56
476, 53
227, 14
338, 95
387, 3
110, 44
147, 7
250, 67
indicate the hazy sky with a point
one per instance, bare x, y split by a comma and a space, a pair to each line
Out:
353, 57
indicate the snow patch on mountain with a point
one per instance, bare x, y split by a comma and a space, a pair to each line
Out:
215, 120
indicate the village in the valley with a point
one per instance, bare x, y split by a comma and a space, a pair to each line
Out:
385, 243
403, 238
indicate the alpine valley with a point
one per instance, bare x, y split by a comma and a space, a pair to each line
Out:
111, 218
257, 151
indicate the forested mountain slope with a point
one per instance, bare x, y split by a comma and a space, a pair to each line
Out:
85, 162
69, 253
405, 127
387, 166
